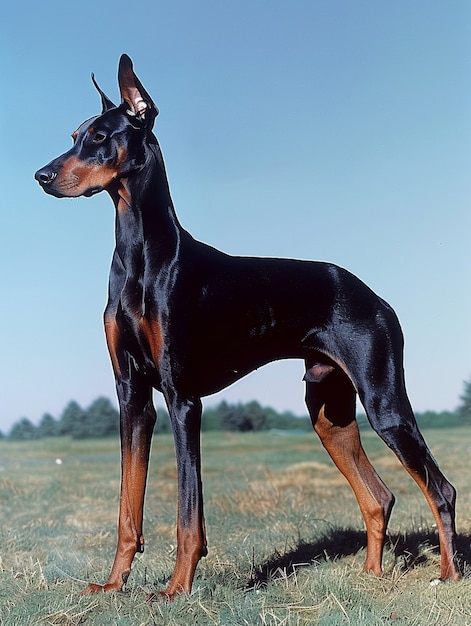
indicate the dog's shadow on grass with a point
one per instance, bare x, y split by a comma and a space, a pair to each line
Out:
410, 550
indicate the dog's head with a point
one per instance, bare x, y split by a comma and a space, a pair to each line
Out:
106, 147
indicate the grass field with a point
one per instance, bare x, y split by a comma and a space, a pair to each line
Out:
285, 536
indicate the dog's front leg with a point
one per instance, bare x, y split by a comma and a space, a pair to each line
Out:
137, 415
191, 536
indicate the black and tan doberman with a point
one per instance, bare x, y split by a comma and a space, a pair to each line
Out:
188, 320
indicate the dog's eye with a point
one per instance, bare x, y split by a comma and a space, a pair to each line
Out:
99, 137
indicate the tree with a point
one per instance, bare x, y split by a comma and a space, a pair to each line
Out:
286, 421
211, 419
102, 419
24, 430
162, 425
464, 409
230, 416
48, 427
255, 416
243, 418
72, 414
82, 427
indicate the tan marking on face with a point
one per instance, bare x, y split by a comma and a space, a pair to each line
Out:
75, 177
122, 154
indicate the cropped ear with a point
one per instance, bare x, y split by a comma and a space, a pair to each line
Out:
106, 103
140, 104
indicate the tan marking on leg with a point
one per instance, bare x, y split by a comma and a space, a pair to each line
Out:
448, 567
191, 547
130, 537
374, 498
152, 331
112, 339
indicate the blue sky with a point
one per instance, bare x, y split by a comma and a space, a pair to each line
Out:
335, 130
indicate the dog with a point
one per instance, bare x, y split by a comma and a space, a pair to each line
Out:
189, 320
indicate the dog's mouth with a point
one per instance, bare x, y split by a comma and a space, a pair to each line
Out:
57, 193
50, 190
64, 190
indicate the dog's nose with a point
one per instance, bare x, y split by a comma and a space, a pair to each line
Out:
45, 176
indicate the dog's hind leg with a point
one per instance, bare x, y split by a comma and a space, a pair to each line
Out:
391, 416
331, 405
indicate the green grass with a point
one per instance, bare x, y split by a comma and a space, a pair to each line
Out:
285, 536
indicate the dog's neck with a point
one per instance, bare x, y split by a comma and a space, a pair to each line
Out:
147, 228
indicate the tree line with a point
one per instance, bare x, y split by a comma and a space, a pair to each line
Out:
101, 419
